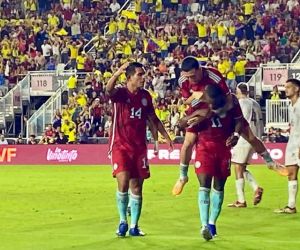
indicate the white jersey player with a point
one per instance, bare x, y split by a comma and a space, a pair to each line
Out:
243, 151
292, 153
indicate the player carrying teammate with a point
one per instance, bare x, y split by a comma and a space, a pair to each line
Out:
292, 153
243, 151
212, 163
194, 79
132, 107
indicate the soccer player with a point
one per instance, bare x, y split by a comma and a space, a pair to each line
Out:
292, 153
193, 81
212, 163
132, 107
243, 151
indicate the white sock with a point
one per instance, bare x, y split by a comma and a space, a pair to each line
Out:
240, 184
252, 182
293, 189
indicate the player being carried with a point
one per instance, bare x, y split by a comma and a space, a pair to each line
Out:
243, 151
132, 107
193, 81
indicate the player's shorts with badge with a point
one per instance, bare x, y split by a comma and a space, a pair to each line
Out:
134, 162
213, 160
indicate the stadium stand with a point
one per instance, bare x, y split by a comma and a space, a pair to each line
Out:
95, 38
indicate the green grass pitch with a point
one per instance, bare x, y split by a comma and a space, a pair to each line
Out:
73, 207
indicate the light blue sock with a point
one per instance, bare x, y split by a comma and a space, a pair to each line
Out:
183, 170
217, 198
136, 208
203, 203
122, 202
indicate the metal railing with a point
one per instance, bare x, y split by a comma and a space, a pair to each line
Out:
277, 113
37, 122
255, 82
2, 114
13, 100
296, 58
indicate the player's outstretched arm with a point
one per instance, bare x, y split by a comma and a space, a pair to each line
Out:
110, 87
196, 95
195, 118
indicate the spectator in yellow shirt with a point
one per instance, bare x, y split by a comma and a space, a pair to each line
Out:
222, 32
231, 83
248, 8
80, 60
240, 69
72, 84
122, 24
158, 8
112, 26
202, 30
74, 50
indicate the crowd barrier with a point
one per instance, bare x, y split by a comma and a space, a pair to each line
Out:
97, 154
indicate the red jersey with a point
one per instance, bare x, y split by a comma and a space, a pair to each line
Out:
216, 130
210, 76
130, 112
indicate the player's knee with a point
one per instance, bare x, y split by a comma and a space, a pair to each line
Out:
136, 190
189, 142
239, 170
292, 174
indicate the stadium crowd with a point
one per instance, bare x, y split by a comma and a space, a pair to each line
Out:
231, 36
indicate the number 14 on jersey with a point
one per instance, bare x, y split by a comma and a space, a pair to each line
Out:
136, 113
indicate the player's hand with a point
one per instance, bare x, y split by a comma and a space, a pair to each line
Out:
170, 144
195, 120
122, 69
232, 141
197, 94
182, 123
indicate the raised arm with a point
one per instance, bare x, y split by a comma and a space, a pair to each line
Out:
110, 87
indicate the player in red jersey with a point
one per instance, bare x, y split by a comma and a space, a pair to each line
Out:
132, 107
193, 82
212, 163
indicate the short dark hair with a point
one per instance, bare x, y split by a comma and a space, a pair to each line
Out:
215, 92
294, 81
130, 70
189, 63
243, 88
